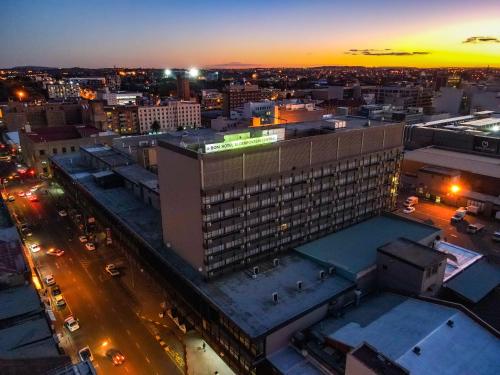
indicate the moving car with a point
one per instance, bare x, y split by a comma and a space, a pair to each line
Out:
11, 198
33, 198
21, 194
83, 239
116, 356
34, 247
111, 269
459, 215
26, 231
55, 291
409, 210
49, 280
28, 193
71, 323
59, 299
85, 354
90, 246
55, 252
34, 188
63, 213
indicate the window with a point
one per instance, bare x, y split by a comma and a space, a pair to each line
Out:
72, 148
54, 150
42, 152
64, 150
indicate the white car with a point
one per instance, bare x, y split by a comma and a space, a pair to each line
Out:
49, 280
63, 213
28, 193
409, 210
90, 246
71, 323
34, 247
111, 269
83, 239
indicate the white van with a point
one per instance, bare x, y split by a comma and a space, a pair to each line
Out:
411, 201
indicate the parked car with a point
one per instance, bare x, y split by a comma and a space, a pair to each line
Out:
90, 246
63, 213
85, 354
115, 356
11, 198
55, 252
459, 215
112, 270
34, 247
71, 323
59, 300
411, 201
83, 239
49, 280
55, 290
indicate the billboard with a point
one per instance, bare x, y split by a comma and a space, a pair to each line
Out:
240, 143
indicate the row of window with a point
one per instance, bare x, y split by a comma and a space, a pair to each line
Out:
55, 150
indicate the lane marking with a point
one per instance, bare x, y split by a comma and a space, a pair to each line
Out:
126, 368
147, 360
138, 346
57, 265
128, 332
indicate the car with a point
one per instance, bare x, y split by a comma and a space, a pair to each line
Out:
496, 236
111, 269
26, 231
71, 323
33, 198
83, 239
115, 356
34, 188
85, 354
21, 194
11, 198
28, 193
49, 280
59, 299
63, 213
34, 247
409, 210
90, 246
55, 252
55, 291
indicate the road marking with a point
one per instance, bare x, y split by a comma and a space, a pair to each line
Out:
128, 332
453, 235
147, 360
138, 346
57, 265
126, 368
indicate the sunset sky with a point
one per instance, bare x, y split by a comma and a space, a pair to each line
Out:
239, 33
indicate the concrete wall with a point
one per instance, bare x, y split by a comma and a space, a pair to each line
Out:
354, 366
395, 274
281, 337
180, 182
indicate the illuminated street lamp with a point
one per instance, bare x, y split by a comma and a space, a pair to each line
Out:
454, 189
193, 72
20, 94
167, 72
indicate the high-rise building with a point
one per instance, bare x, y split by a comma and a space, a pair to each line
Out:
122, 119
241, 197
183, 91
62, 91
237, 95
172, 115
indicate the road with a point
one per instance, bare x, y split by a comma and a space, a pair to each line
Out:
105, 308
439, 215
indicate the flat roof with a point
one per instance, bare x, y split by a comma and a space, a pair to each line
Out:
394, 325
138, 175
490, 121
481, 165
248, 301
412, 252
59, 133
476, 281
289, 362
458, 258
440, 170
354, 249
18, 301
107, 155
446, 121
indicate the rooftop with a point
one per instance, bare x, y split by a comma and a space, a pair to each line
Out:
18, 301
483, 122
60, 133
394, 325
289, 362
138, 175
481, 165
440, 171
476, 281
413, 252
459, 258
107, 155
354, 249
376, 361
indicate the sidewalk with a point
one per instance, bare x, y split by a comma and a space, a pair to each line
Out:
203, 361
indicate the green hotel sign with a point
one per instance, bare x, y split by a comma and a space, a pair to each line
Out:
240, 143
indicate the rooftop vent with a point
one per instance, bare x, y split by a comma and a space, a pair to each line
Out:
276, 262
299, 286
256, 270
275, 297
331, 270
450, 323
321, 275
416, 350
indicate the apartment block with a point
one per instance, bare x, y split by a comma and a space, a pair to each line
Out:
172, 115
237, 95
242, 197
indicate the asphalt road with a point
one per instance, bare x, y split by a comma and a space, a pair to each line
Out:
101, 303
439, 215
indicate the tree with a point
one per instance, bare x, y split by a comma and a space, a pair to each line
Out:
155, 126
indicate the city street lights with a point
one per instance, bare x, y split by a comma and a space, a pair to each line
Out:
454, 188
20, 94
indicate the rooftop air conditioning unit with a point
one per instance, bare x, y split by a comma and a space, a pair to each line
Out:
276, 262
321, 275
331, 270
256, 270
275, 297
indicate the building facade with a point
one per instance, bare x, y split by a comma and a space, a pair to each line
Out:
183, 91
122, 119
62, 91
241, 205
172, 115
237, 95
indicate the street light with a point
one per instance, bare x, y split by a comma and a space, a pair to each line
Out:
20, 94
454, 189
167, 72
193, 72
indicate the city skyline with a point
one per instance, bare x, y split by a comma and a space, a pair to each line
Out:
226, 35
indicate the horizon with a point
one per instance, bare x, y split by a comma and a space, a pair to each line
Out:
220, 34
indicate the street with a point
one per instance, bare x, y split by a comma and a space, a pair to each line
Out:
439, 215
108, 313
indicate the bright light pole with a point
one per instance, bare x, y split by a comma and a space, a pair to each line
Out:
193, 72
167, 72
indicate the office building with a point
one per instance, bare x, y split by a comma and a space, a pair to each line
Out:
88, 82
235, 96
183, 90
260, 113
118, 97
39, 144
63, 91
300, 182
293, 110
211, 99
170, 116
122, 119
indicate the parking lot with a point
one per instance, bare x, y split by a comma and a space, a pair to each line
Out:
439, 215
